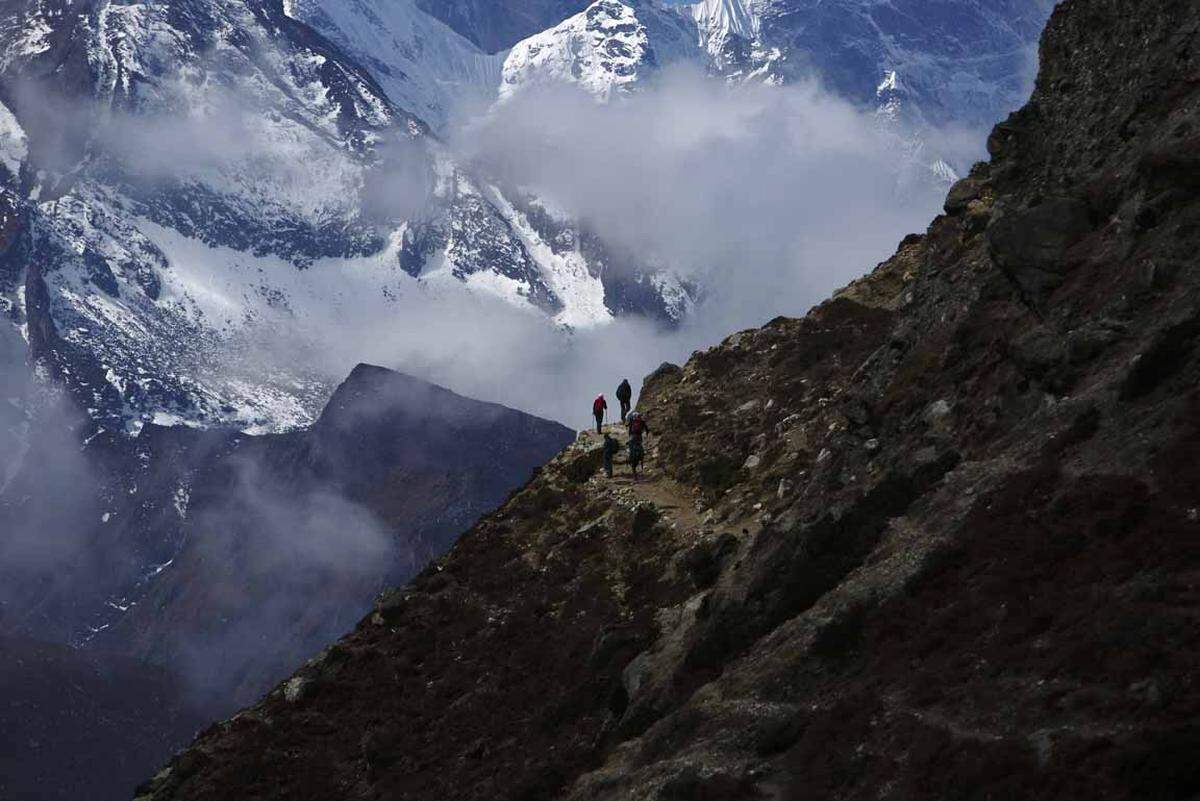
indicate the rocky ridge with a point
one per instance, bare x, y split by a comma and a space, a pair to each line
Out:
936, 538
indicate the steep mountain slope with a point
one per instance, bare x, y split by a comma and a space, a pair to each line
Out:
422, 64
937, 538
163, 144
726, 30
960, 62
496, 25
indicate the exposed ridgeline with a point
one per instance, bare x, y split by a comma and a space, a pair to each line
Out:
939, 538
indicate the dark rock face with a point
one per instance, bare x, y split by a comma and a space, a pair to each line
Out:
1031, 245
936, 539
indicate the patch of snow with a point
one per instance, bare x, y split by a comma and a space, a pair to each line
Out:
424, 66
180, 501
14, 146
890, 83
567, 274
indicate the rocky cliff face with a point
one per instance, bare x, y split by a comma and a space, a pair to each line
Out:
937, 538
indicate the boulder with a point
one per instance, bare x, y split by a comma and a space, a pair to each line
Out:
1039, 351
1031, 245
645, 516
962, 194
585, 462
703, 561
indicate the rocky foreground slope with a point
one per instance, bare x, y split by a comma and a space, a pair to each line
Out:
939, 538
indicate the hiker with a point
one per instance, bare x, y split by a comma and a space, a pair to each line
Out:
599, 406
637, 430
611, 446
624, 395
637, 427
636, 452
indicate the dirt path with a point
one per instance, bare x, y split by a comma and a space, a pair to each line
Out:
672, 499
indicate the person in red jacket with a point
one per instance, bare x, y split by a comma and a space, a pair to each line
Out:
599, 407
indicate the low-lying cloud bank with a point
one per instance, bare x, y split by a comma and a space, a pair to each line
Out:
769, 198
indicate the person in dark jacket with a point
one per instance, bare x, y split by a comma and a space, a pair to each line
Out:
611, 446
637, 430
599, 407
625, 396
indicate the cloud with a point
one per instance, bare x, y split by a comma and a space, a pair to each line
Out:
769, 197
46, 509
273, 571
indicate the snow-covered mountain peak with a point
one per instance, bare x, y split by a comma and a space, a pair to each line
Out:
606, 49
601, 49
243, 175
723, 24
250, 164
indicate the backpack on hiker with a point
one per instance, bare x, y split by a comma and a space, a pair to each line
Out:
637, 426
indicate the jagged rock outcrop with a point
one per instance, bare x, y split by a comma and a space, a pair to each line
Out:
939, 538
